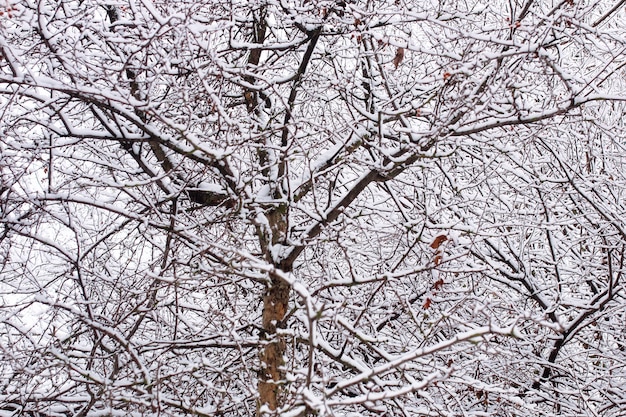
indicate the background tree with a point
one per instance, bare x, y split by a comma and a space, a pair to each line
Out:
298, 208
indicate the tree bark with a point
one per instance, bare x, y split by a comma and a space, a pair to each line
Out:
275, 305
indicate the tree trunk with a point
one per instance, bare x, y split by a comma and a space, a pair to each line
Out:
275, 305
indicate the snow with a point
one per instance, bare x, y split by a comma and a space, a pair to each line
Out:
119, 297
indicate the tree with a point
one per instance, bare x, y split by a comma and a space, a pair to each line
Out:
312, 208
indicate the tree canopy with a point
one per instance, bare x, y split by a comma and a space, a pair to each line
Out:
311, 207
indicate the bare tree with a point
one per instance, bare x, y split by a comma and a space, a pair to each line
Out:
336, 208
